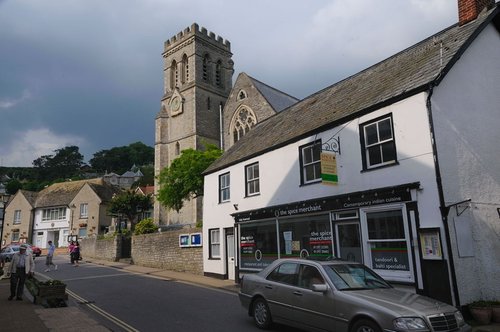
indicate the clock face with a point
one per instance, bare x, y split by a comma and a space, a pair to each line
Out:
175, 104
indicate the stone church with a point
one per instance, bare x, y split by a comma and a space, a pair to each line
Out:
200, 105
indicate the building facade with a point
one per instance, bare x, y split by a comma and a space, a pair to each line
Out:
398, 175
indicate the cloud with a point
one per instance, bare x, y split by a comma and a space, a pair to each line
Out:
6, 103
33, 144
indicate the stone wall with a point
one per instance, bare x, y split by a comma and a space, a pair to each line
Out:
162, 250
107, 249
159, 250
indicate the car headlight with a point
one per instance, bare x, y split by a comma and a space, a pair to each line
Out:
410, 323
459, 318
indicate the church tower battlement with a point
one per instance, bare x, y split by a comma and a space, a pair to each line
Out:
194, 29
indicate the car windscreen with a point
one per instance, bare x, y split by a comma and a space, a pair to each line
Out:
354, 277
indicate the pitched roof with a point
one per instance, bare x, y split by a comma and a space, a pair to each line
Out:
403, 74
61, 194
30, 196
276, 98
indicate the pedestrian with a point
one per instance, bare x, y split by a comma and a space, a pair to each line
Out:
76, 254
70, 250
22, 266
50, 255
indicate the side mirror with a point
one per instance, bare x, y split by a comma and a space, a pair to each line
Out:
320, 288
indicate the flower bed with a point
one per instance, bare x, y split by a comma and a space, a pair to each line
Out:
48, 293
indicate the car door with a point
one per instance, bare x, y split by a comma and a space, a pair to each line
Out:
278, 290
313, 308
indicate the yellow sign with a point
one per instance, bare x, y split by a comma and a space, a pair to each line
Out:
329, 168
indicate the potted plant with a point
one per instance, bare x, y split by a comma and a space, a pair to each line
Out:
481, 312
43, 291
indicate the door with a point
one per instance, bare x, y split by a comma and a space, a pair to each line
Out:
349, 241
230, 256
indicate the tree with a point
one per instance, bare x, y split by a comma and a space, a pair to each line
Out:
183, 179
145, 226
130, 204
65, 164
121, 159
13, 186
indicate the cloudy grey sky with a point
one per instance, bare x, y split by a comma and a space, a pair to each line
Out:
89, 72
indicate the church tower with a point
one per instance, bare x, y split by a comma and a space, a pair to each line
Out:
197, 75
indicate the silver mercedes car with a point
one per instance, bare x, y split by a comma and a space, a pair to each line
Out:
341, 296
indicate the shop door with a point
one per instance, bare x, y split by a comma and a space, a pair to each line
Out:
349, 241
230, 256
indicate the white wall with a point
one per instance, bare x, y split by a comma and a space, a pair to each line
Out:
280, 172
466, 114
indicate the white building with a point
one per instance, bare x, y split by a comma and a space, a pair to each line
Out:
412, 141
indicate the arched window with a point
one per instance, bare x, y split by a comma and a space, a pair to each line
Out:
185, 69
206, 68
174, 74
242, 95
177, 148
218, 73
244, 119
208, 103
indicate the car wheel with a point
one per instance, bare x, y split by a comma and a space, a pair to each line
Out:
261, 314
365, 325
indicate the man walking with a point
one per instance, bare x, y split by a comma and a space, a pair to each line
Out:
50, 255
22, 266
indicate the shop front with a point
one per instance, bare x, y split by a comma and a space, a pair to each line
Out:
375, 227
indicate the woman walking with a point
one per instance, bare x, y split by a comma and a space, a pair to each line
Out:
76, 254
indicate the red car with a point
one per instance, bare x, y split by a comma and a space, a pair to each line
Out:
36, 251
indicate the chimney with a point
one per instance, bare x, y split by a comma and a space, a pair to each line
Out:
468, 10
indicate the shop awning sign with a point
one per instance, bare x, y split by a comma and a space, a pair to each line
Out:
329, 168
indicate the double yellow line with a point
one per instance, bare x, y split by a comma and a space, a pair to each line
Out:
101, 312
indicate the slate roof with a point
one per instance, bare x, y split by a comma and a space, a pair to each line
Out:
406, 73
276, 98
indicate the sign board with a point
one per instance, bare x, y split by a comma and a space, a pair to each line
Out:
190, 240
329, 168
430, 243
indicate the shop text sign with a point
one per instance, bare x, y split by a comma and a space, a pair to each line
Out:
390, 260
329, 168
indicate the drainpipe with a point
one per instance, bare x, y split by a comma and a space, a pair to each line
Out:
442, 207
221, 128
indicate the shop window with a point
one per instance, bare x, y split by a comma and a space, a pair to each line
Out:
224, 188
258, 245
310, 162
306, 236
17, 217
252, 179
378, 145
214, 243
84, 209
388, 244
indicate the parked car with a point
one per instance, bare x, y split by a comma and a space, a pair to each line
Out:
341, 296
9, 251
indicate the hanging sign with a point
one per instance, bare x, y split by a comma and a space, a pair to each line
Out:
329, 168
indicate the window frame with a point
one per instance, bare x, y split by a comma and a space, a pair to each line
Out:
365, 146
249, 181
48, 214
224, 189
17, 217
303, 165
84, 214
14, 232
214, 244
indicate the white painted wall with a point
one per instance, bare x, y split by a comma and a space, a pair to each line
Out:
54, 226
466, 115
280, 172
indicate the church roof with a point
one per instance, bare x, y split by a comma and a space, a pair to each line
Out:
409, 72
276, 98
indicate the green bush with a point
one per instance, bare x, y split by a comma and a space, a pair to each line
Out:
145, 226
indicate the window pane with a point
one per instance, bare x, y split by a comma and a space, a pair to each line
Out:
390, 256
309, 170
307, 153
374, 157
388, 152
371, 136
385, 130
385, 225
258, 245
286, 273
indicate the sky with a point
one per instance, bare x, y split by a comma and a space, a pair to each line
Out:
89, 72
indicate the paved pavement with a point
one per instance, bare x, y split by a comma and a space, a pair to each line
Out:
23, 315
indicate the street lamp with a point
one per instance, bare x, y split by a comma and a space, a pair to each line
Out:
5, 200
